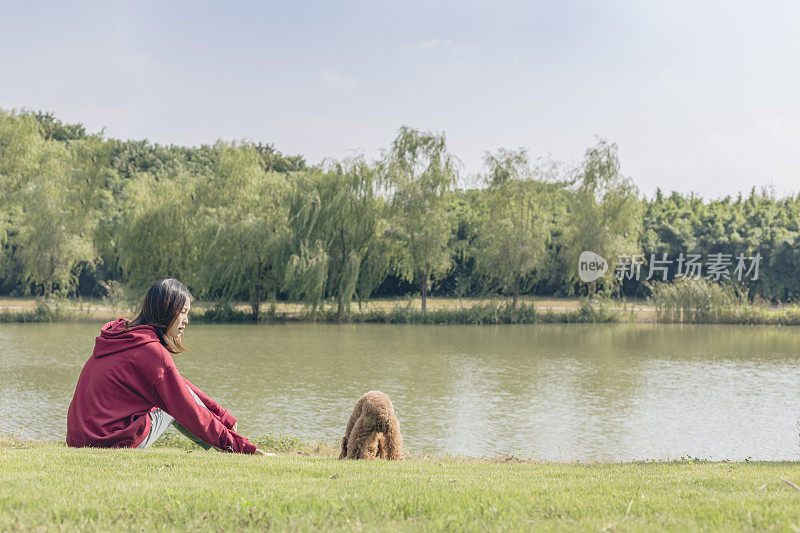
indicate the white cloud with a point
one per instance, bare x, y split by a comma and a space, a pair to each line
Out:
447, 44
337, 80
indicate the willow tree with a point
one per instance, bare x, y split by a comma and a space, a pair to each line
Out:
49, 241
20, 144
605, 212
245, 227
513, 224
21, 147
306, 273
338, 221
158, 229
350, 225
375, 265
421, 174
307, 267
54, 191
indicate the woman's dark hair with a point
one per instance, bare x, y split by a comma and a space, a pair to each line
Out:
162, 304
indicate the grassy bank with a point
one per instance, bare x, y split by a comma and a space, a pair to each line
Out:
697, 309
54, 487
391, 311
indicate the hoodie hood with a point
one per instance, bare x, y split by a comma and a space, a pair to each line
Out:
113, 337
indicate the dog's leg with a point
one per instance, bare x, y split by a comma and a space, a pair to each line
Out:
394, 440
381, 451
356, 439
350, 423
372, 446
354, 416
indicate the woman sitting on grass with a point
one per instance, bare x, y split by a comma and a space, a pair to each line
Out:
130, 390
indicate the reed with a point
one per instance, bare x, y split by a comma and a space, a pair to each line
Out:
694, 301
591, 311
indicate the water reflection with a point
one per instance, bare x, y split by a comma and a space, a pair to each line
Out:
559, 392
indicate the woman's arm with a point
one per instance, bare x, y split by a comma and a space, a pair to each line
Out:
178, 401
220, 412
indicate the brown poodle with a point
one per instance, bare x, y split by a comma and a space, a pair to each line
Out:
373, 430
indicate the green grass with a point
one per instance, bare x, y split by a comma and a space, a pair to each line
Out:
53, 487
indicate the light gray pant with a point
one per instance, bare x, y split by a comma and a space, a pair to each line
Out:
160, 421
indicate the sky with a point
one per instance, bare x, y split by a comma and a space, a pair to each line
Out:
698, 96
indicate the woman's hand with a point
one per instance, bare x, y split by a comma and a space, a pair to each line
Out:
268, 454
234, 427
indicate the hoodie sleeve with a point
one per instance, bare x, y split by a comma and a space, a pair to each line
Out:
220, 412
179, 403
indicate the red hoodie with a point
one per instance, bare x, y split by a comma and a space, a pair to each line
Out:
129, 374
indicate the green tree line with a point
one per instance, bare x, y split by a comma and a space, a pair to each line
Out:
83, 215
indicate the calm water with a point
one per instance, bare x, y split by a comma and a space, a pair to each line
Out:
554, 392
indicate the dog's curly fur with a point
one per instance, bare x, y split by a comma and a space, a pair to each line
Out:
373, 430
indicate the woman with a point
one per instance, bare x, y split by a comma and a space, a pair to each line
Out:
130, 390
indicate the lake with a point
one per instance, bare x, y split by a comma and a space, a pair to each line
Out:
550, 392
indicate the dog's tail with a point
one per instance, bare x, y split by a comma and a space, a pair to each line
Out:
394, 440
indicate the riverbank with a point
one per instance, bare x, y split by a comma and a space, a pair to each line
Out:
392, 311
46, 485
408, 311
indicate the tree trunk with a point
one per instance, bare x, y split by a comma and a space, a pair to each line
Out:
516, 293
424, 293
256, 309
